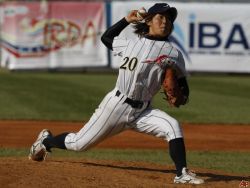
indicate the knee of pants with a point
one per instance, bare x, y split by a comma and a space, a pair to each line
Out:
174, 130
73, 143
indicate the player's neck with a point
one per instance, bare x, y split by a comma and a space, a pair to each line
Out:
150, 37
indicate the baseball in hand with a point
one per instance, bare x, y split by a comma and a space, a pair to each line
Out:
141, 13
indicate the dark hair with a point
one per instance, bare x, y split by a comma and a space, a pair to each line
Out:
142, 29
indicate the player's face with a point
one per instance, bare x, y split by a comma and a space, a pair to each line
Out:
160, 25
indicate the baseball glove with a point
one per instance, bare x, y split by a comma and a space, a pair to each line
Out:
172, 90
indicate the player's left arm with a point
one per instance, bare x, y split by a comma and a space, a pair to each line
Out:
182, 76
183, 84
175, 85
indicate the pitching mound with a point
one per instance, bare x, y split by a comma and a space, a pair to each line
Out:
95, 173
56, 172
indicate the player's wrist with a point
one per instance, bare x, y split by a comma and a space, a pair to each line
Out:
128, 20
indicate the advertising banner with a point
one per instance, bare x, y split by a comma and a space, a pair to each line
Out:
53, 35
213, 37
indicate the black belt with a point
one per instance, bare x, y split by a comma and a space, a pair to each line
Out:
131, 102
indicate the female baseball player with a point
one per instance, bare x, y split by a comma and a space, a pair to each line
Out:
144, 63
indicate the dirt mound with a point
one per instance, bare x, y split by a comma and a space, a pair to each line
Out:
55, 172
22, 173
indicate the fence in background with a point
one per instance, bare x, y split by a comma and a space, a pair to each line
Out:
213, 37
53, 35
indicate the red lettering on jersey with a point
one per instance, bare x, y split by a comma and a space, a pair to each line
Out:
162, 60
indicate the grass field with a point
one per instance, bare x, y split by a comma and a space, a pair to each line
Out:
74, 97
222, 161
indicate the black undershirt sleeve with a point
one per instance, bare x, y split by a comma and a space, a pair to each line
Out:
183, 84
113, 31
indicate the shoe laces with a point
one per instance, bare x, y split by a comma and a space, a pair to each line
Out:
189, 172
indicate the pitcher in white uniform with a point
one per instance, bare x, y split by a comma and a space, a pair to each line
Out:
144, 61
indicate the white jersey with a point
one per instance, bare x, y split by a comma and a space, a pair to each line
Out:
143, 63
140, 77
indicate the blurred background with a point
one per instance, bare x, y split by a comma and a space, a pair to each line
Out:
54, 71
212, 35
53, 65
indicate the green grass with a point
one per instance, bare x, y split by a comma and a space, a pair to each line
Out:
74, 97
231, 162
215, 99
46, 96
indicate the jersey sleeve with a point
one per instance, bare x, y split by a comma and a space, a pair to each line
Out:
119, 45
176, 61
180, 66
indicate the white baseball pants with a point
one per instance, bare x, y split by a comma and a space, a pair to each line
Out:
114, 116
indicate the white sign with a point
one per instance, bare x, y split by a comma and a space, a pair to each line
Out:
213, 37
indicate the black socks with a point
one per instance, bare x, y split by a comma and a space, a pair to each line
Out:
55, 142
178, 154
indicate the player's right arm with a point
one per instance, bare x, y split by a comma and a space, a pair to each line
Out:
109, 35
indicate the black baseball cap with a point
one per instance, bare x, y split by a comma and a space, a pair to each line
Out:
159, 8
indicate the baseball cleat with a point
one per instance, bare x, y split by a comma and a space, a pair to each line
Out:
188, 177
38, 151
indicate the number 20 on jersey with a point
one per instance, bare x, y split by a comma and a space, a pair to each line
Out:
129, 63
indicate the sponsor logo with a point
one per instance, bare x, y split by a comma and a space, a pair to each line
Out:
55, 34
211, 37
